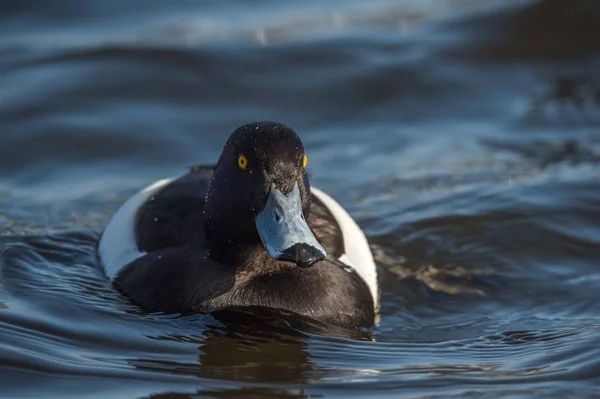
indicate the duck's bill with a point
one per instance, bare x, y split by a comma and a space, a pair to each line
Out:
284, 231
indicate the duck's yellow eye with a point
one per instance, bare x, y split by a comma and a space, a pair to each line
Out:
242, 162
304, 161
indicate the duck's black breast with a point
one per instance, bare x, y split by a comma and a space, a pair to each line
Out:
183, 280
176, 275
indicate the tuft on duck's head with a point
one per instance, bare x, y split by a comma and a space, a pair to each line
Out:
260, 193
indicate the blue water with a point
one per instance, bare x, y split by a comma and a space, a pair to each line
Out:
463, 136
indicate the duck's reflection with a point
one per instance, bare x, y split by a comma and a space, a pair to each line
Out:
255, 349
252, 353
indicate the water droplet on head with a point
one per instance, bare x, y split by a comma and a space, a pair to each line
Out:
348, 269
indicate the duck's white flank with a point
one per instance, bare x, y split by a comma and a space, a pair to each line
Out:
358, 253
118, 246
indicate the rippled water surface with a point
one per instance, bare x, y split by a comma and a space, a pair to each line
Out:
463, 136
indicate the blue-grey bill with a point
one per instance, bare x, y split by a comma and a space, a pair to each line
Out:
284, 231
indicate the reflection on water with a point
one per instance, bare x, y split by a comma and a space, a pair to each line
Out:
463, 136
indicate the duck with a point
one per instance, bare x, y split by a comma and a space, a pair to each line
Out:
248, 232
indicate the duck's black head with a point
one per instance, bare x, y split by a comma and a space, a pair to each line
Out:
260, 194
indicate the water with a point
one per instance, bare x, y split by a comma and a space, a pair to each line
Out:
462, 135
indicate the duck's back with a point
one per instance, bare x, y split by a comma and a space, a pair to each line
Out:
173, 216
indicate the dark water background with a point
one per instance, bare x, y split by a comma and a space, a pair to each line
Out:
464, 136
